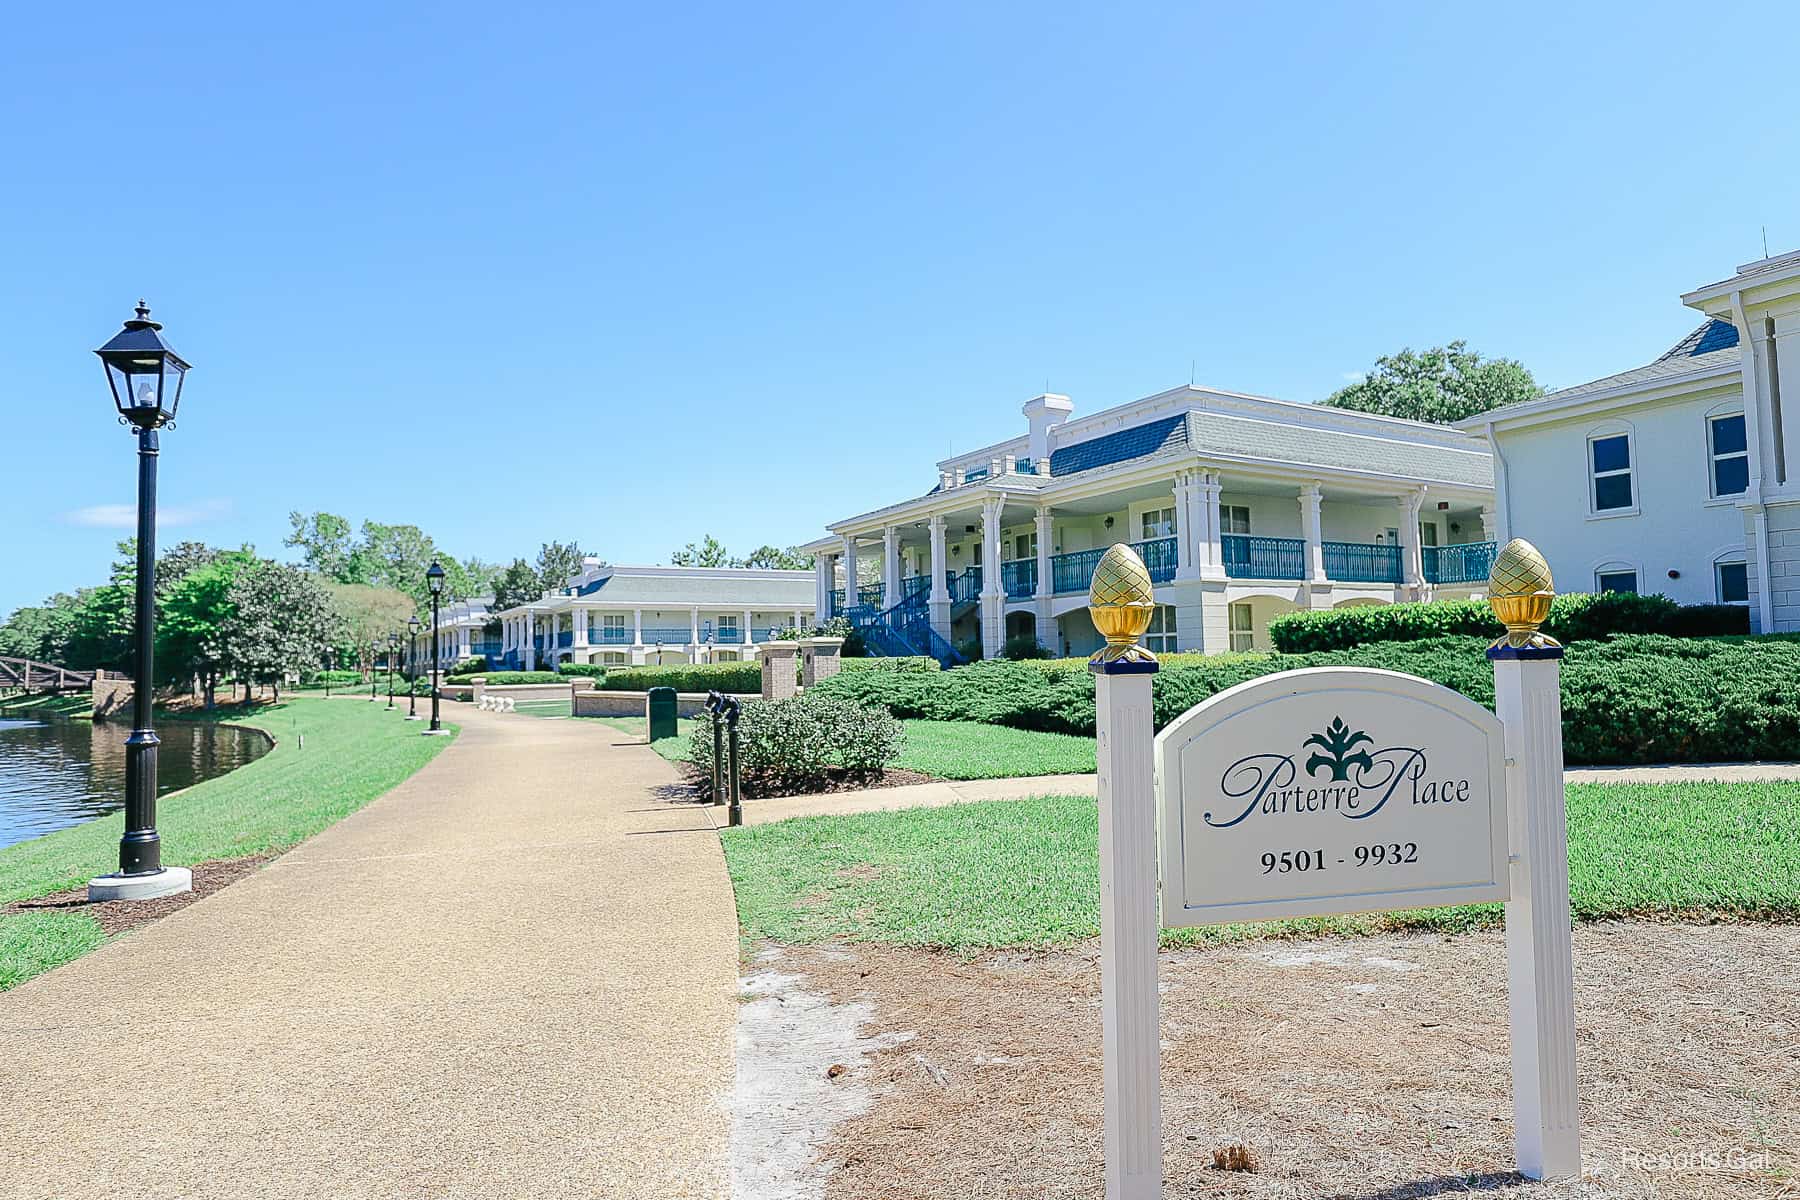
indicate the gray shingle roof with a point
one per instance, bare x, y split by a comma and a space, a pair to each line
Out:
1714, 335
1219, 433
1152, 437
707, 587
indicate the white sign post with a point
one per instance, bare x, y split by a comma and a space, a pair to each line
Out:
1325, 791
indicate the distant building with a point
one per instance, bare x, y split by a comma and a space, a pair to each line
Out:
1242, 508
630, 616
1673, 477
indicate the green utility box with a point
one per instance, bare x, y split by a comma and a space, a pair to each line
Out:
662, 712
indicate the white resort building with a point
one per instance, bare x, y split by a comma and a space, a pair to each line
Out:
630, 616
462, 634
1673, 477
1242, 508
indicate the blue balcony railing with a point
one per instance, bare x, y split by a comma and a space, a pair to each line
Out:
618, 635
966, 588
1364, 562
1248, 557
1073, 572
565, 638
912, 585
677, 636
1161, 556
1019, 578
724, 635
1468, 563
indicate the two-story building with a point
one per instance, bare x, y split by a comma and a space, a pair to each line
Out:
1242, 507
630, 616
463, 633
1673, 477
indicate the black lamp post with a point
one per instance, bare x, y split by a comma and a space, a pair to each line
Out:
434, 580
412, 654
145, 375
393, 649
374, 672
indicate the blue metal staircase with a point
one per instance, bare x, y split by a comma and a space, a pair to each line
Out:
904, 630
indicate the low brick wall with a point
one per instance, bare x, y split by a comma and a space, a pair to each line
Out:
111, 696
633, 704
522, 691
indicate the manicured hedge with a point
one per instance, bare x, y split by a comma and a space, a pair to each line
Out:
740, 677
1640, 698
469, 666
1573, 618
588, 670
914, 663
503, 678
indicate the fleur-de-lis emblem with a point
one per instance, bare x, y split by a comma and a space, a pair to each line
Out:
1337, 741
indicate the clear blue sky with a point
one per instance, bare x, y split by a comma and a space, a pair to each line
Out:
631, 277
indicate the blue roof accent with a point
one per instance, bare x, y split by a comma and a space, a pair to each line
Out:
592, 586
1714, 335
1109, 448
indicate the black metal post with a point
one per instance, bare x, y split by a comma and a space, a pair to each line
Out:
374, 675
390, 667
714, 703
140, 850
412, 681
735, 814
435, 727
328, 674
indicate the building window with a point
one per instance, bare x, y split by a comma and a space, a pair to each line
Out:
1234, 518
612, 628
728, 629
1024, 545
1615, 581
1610, 460
1160, 637
1733, 582
1427, 533
1242, 626
1730, 455
1158, 523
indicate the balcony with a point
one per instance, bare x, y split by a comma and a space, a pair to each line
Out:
565, 639
1073, 572
966, 588
727, 635
1248, 557
1469, 563
1362, 562
616, 635
679, 636
1019, 578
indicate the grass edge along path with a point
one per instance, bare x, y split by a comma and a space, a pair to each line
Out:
1025, 873
354, 753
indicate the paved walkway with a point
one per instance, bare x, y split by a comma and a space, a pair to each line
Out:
513, 976
935, 795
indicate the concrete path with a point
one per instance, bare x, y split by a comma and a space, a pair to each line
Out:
512, 976
935, 795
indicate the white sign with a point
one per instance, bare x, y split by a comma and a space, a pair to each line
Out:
1330, 790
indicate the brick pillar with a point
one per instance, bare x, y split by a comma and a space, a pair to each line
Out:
778, 676
820, 659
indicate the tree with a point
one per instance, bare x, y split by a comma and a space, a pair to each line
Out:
327, 545
1442, 384
40, 632
557, 563
366, 614
710, 552
178, 561
772, 558
396, 556
189, 631
281, 622
517, 584
101, 624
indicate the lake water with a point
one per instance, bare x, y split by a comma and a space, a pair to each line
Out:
55, 773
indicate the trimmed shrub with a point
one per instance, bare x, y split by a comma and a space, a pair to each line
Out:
796, 745
469, 666
503, 678
333, 677
1581, 616
585, 670
738, 677
1632, 698
1024, 646
914, 663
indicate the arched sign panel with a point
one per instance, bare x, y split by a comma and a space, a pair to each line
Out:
1330, 790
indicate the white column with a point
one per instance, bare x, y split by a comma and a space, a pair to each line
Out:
993, 598
1311, 529
940, 585
1539, 957
745, 629
530, 658
1187, 537
1130, 1017
1046, 578
1412, 571
1211, 528
851, 587
890, 566
1490, 524
579, 617
694, 625
637, 626
824, 577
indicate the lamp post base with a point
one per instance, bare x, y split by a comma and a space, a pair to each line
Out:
434, 733
169, 881
415, 718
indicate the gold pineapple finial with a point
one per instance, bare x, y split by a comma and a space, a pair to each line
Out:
1121, 599
1520, 591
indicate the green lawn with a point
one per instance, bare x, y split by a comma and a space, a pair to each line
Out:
354, 753
1026, 872
946, 749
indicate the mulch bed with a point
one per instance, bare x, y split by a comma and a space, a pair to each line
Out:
837, 781
1359, 1069
120, 916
